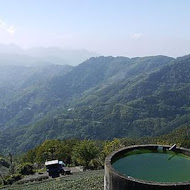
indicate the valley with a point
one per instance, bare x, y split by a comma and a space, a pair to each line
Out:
101, 98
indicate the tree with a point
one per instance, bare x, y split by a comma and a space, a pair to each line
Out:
25, 169
84, 152
111, 146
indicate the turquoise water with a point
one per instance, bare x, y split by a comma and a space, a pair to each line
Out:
154, 166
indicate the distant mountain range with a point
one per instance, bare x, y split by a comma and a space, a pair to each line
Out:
15, 55
102, 98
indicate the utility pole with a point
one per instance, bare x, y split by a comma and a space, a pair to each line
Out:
11, 163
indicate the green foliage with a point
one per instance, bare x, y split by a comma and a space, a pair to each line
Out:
84, 153
51, 149
9, 180
89, 180
25, 168
91, 153
73, 152
186, 143
103, 98
179, 136
111, 146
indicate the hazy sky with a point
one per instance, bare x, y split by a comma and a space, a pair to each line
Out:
109, 27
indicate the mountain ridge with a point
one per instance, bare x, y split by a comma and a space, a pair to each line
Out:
103, 98
13, 54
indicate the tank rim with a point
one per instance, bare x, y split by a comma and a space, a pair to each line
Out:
109, 158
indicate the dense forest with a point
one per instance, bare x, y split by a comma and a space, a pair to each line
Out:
92, 153
88, 153
101, 99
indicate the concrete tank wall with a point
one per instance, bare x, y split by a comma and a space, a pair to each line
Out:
113, 180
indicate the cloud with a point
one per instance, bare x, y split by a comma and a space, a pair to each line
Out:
136, 36
6, 27
11, 30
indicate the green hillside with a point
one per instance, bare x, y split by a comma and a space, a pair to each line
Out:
102, 98
22, 92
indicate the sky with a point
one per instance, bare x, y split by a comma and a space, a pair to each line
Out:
110, 27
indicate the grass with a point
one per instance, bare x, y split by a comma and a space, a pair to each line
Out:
89, 180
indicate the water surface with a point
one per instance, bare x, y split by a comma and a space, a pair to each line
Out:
156, 166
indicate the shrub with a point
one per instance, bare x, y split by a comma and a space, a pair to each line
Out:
25, 169
13, 178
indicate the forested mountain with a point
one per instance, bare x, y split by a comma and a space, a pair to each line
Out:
41, 95
101, 98
21, 92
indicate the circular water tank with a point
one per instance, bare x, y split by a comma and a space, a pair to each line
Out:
116, 178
